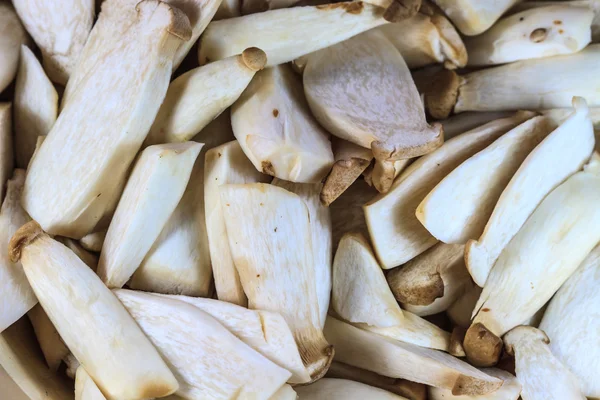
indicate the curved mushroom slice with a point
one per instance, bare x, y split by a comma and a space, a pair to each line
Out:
396, 233
432, 281
272, 32
556, 238
473, 17
35, 106
461, 310
16, 296
59, 30
85, 388
558, 156
51, 344
65, 194
536, 33
6, 147
90, 259
349, 104
456, 216
264, 331
276, 130
12, 36
200, 95
396, 359
284, 393
342, 389
542, 375
156, 185
510, 389
84, 311
21, 358
347, 214
271, 243
464, 122
93, 241
572, 322
256, 6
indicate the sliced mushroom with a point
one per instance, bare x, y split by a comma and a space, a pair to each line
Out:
6, 147
12, 35
93, 241
347, 214
396, 233
228, 9
87, 312
51, 344
342, 389
85, 388
558, 156
542, 375
461, 310
510, 389
68, 195
464, 122
284, 393
473, 17
90, 259
459, 207
256, 6
276, 130
270, 240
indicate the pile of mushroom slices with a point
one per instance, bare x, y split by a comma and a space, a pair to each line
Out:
280, 199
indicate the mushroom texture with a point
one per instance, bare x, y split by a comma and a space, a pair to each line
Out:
342, 389
6, 146
473, 17
12, 36
510, 389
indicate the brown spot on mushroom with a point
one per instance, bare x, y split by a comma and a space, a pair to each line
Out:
557, 22
354, 7
275, 112
538, 35
560, 31
267, 168
485, 309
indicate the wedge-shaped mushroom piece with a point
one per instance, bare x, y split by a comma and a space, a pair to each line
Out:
558, 156
225, 164
198, 96
461, 310
272, 32
153, 190
455, 216
60, 31
208, 361
350, 106
35, 106
93, 241
432, 281
540, 258
399, 166
510, 389
473, 17
6, 146
51, 344
85, 388
572, 322
284, 393
347, 214
320, 231
464, 122
70, 200
536, 33
362, 296
12, 35
228, 9
276, 130
351, 160
16, 296
271, 244
20, 357
542, 375
85, 311
90, 259
396, 233
264, 331
396, 359
342, 389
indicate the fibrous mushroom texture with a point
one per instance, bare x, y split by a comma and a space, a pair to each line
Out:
12, 36
473, 17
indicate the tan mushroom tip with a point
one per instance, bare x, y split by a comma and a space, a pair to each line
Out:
342, 175
320, 368
471, 386
22, 237
523, 332
421, 294
457, 337
179, 23
442, 94
401, 9
482, 347
254, 58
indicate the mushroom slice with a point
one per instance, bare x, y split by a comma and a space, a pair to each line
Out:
272, 32
464, 122
455, 216
284, 393
12, 35
350, 106
362, 297
542, 375
225, 164
396, 233
347, 214
473, 17
64, 194
85, 388
572, 322
510, 389
550, 246
198, 96
35, 106
558, 156
264, 331
62, 283
228, 9
208, 360
432, 281
256, 6
461, 310
59, 30
90, 259
536, 33
16, 296
51, 344
6, 147
270, 239
342, 389
396, 359
276, 130
320, 229
93, 241
20, 357
351, 160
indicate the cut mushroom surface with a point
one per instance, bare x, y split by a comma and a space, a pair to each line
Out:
342, 389
12, 36
510, 389
473, 17
51, 344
